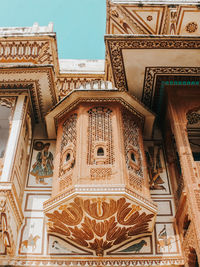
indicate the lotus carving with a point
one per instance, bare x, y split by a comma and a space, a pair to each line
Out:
98, 223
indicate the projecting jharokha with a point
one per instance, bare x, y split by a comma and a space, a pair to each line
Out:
100, 159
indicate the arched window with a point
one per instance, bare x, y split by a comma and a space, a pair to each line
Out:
100, 151
133, 156
68, 156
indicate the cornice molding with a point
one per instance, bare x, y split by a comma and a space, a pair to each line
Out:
39, 81
91, 261
115, 45
151, 73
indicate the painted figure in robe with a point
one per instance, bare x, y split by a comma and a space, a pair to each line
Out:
43, 167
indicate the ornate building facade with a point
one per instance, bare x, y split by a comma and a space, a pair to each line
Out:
100, 160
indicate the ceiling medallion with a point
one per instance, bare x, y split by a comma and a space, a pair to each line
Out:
191, 27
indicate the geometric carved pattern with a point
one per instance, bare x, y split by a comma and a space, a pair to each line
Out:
99, 223
131, 145
135, 181
197, 196
69, 131
100, 132
65, 182
68, 148
100, 173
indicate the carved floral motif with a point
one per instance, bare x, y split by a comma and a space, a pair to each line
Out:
191, 27
193, 117
99, 223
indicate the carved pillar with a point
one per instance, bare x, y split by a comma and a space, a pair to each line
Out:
172, 161
178, 121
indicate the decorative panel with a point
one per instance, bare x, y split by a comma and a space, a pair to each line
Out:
41, 167
68, 147
32, 236
158, 175
100, 136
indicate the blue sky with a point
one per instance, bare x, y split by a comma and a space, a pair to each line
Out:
79, 24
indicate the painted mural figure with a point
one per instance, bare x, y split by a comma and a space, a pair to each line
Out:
31, 241
164, 240
135, 247
155, 168
43, 167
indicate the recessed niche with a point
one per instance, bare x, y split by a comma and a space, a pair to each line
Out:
100, 152
133, 156
68, 156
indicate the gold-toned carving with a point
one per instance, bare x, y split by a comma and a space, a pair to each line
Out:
99, 223
191, 27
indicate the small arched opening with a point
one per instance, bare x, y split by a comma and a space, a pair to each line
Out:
100, 152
